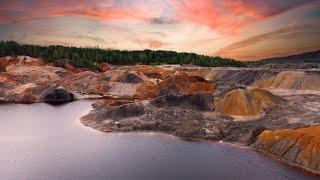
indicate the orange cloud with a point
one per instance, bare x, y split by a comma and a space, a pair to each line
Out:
252, 48
156, 44
231, 16
15, 11
150, 43
137, 13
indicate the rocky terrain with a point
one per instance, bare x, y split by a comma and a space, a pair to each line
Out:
271, 110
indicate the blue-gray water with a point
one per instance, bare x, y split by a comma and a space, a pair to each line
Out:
40, 141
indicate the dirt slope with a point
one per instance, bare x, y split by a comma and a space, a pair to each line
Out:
246, 102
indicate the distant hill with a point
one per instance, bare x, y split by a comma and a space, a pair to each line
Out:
304, 60
309, 57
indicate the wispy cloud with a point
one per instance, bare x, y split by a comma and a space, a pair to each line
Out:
150, 43
249, 49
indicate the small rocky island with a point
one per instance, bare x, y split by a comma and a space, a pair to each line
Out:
276, 111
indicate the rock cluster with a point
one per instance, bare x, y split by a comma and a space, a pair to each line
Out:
299, 146
201, 102
177, 115
188, 115
57, 96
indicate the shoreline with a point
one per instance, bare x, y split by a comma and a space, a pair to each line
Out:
234, 144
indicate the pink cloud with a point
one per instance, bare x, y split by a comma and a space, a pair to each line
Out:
231, 16
13, 11
150, 43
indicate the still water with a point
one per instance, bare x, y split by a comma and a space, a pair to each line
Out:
40, 141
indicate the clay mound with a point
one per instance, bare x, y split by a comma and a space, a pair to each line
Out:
202, 102
246, 102
299, 146
184, 84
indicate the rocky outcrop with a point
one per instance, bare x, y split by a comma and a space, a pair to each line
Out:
246, 102
153, 72
146, 90
26, 93
201, 102
177, 115
185, 84
189, 115
34, 74
85, 82
20, 60
8, 81
299, 146
57, 95
132, 77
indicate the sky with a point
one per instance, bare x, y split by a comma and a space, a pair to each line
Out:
239, 29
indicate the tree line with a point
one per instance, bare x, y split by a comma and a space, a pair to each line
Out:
93, 57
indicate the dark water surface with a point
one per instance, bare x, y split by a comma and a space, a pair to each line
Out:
40, 141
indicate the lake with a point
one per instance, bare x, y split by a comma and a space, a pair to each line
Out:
40, 141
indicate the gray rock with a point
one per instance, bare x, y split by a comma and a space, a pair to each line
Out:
201, 102
57, 96
282, 146
292, 153
131, 77
122, 111
251, 136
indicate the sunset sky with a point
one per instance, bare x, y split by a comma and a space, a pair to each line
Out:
240, 29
